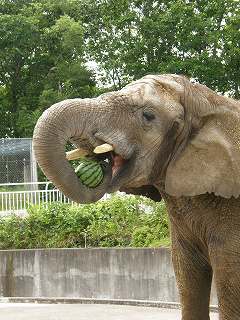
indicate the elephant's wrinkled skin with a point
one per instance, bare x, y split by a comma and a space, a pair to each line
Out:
171, 139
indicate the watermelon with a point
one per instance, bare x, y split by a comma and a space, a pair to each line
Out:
90, 172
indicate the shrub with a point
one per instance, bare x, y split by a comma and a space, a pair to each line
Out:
115, 222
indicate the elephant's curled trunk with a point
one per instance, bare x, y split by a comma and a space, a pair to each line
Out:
58, 124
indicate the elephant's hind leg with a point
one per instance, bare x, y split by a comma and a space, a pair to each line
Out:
194, 277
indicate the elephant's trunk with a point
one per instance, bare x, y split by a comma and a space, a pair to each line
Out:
61, 122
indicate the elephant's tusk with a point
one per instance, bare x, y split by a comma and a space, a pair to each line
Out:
103, 148
76, 154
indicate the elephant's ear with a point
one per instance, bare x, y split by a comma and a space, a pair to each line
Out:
210, 159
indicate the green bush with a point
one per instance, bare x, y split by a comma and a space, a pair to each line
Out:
116, 222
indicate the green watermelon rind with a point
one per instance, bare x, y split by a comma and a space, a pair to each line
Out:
90, 173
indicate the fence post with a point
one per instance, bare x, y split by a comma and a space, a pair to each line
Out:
85, 238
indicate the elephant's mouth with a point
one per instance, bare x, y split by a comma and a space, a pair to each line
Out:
121, 170
121, 166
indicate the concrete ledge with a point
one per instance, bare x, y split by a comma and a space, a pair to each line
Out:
93, 273
139, 303
129, 276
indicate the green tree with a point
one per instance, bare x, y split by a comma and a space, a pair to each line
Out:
44, 45
41, 61
197, 38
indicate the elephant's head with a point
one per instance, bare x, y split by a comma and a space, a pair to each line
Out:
164, 131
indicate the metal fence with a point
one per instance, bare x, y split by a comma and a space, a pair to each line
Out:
15, 199
19, 189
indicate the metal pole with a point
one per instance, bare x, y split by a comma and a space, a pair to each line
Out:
85, 238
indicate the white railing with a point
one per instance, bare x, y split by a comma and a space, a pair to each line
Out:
18, 197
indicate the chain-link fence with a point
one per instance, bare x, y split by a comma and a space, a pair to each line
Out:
17, 163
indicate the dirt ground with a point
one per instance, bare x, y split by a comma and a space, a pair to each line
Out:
31, 311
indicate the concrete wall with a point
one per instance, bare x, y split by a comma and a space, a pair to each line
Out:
88, 273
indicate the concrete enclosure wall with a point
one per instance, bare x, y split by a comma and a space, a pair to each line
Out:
141, 274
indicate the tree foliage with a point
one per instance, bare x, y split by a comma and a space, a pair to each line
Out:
45, 44
197, 38
41, 61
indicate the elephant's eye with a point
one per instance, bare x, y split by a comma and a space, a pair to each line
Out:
148, 115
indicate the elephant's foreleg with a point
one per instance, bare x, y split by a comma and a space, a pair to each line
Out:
225, 258
194, 277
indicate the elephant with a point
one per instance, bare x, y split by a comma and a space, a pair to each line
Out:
169, 138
